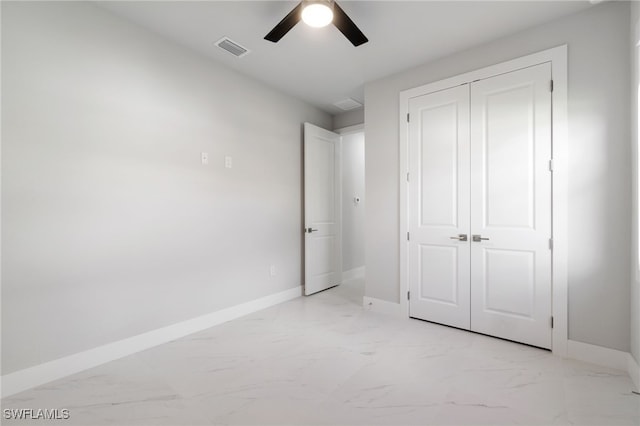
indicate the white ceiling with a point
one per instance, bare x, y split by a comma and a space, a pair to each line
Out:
321, 66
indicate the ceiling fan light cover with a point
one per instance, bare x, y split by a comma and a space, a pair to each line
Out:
317, 15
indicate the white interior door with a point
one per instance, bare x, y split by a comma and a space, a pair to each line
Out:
511, 206
322, 209
438, 252
479, 158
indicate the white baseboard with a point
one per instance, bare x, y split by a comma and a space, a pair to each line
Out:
634, 371
599, 355
381, 306
31, 377
353, 274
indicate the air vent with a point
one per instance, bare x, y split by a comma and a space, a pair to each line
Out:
348, 104
232, 47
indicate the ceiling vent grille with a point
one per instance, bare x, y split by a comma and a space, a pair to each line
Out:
232, 47
348, 104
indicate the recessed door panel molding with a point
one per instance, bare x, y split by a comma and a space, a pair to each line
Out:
509, 282
322, 207
438, 274
511, 206
439, 207
438, 166
508, 156
321, 180
323, 248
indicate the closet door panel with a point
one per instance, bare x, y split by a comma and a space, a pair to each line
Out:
439, 207
511, 206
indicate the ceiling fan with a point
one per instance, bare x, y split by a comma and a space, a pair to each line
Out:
318, 13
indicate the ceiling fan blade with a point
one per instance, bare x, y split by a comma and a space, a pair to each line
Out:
285, 25
347, 27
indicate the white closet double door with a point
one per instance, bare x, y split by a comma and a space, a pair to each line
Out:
480, 206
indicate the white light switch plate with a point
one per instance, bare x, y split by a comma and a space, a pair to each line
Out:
228, 162
204, 156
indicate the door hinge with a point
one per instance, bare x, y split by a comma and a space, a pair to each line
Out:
407, 177
408, 119
550, 243
550, 165
408, 295
551, 322
551, 86
408, 239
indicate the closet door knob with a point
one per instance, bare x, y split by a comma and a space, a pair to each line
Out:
460, 237
478, 238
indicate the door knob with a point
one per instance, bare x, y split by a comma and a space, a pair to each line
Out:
478, 238
460, 237
310, 230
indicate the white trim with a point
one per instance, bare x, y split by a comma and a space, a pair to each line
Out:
598, 355
353, 274
560, 202
382, 306
558, 58
356, 128
634, 371
28, 378
403, 210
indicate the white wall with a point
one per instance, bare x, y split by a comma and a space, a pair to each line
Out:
353, 214
599, 174
348, 118
635, 266
112, 227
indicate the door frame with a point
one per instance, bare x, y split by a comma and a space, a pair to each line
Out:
557, 56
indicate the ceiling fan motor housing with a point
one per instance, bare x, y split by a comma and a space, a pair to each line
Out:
318, 13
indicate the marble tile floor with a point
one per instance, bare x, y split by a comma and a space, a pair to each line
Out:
324, 360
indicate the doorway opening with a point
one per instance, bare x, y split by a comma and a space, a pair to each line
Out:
353, 213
